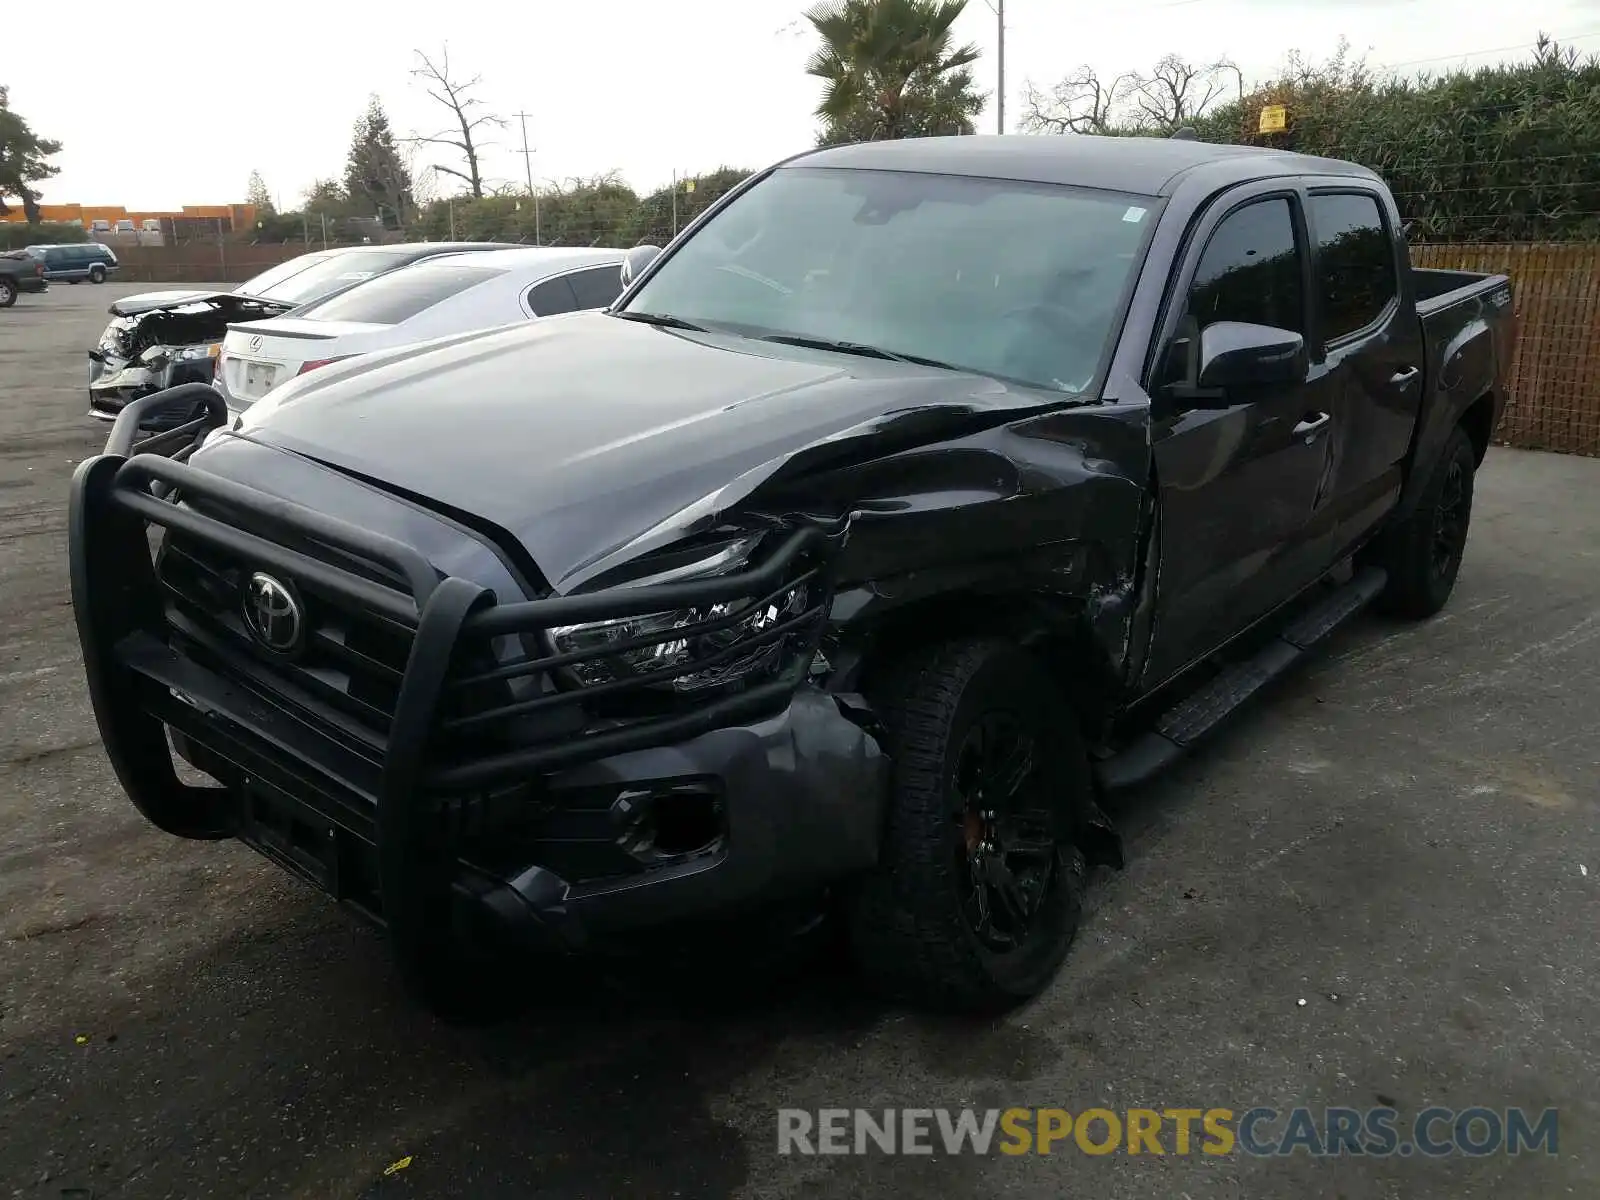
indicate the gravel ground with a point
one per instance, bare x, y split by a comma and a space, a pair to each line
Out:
1403, 837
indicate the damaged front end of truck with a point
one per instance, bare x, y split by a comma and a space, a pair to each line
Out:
666, 729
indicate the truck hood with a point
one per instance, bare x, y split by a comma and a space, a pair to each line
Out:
590, 439
234, 302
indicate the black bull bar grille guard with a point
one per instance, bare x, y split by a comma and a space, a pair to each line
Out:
138, 682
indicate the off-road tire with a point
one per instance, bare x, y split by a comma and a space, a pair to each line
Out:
1419, 583
8, 293
907, 934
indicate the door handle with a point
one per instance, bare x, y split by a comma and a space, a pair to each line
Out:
1401, 378
1310, 423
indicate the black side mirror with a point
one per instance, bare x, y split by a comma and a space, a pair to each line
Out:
636, 260
1235, 356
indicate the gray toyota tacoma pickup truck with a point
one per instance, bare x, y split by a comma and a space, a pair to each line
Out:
914, 500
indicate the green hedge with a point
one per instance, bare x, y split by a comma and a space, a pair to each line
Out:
601, 212
15, 234
1508, 153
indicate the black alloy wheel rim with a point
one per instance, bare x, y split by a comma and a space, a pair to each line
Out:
1006, 844
1450, 520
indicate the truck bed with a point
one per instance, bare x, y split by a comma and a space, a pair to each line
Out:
1438, 288
1469, 335
1467, 326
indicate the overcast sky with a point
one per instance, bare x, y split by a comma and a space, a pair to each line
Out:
180, 110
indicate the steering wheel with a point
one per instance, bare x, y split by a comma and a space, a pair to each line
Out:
1045, 313
1066, 328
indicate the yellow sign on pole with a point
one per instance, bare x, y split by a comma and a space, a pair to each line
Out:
688, 185
1274, 118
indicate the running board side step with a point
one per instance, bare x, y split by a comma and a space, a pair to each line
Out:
1181, 727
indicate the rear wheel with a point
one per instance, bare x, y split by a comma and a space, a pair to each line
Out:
977, 897
1423, 552
8, 293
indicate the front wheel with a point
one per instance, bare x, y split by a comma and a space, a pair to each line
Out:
978, 893
1423, 552
97, 274
8, 293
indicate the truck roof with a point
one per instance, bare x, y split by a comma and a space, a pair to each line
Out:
1151, 166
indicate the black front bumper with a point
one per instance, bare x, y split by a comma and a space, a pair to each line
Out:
568, 841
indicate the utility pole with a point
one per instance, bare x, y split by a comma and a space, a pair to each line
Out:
998, 8
527, 162
1000, 95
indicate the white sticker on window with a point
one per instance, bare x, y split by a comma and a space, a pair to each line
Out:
1134, 215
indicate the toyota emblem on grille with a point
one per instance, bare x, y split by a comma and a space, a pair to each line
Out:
255, 343
272, 613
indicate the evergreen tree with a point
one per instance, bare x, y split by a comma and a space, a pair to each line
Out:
375, 175
256, 193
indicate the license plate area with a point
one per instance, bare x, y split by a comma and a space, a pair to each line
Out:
290, 833
259, 378
302, 840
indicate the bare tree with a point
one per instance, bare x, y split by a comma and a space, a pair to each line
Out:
1080, 103
1177, 91
1172, 95
453, 94
424, 176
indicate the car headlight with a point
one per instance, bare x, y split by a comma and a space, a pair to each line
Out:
726, 632
156, 354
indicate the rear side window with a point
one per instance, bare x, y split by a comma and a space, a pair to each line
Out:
1356, 279
1250, 270
551, 297
597, 287
398, 296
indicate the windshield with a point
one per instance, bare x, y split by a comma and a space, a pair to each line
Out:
262, 284
324, 274
1016, 280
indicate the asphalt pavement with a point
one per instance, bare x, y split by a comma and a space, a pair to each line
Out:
1380, 888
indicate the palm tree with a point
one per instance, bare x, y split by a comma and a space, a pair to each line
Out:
890, 71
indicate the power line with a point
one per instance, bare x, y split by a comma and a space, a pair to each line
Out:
1554, 37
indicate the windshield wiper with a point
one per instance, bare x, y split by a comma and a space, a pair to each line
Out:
666, 320
861, 348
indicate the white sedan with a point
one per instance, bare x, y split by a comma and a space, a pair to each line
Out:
450, 294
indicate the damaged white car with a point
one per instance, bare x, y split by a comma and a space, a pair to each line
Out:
157, 340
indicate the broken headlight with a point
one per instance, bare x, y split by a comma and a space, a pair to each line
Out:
157, 354
193, 353
653, 643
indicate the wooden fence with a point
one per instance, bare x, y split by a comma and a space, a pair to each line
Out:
203, 261
1555, 376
